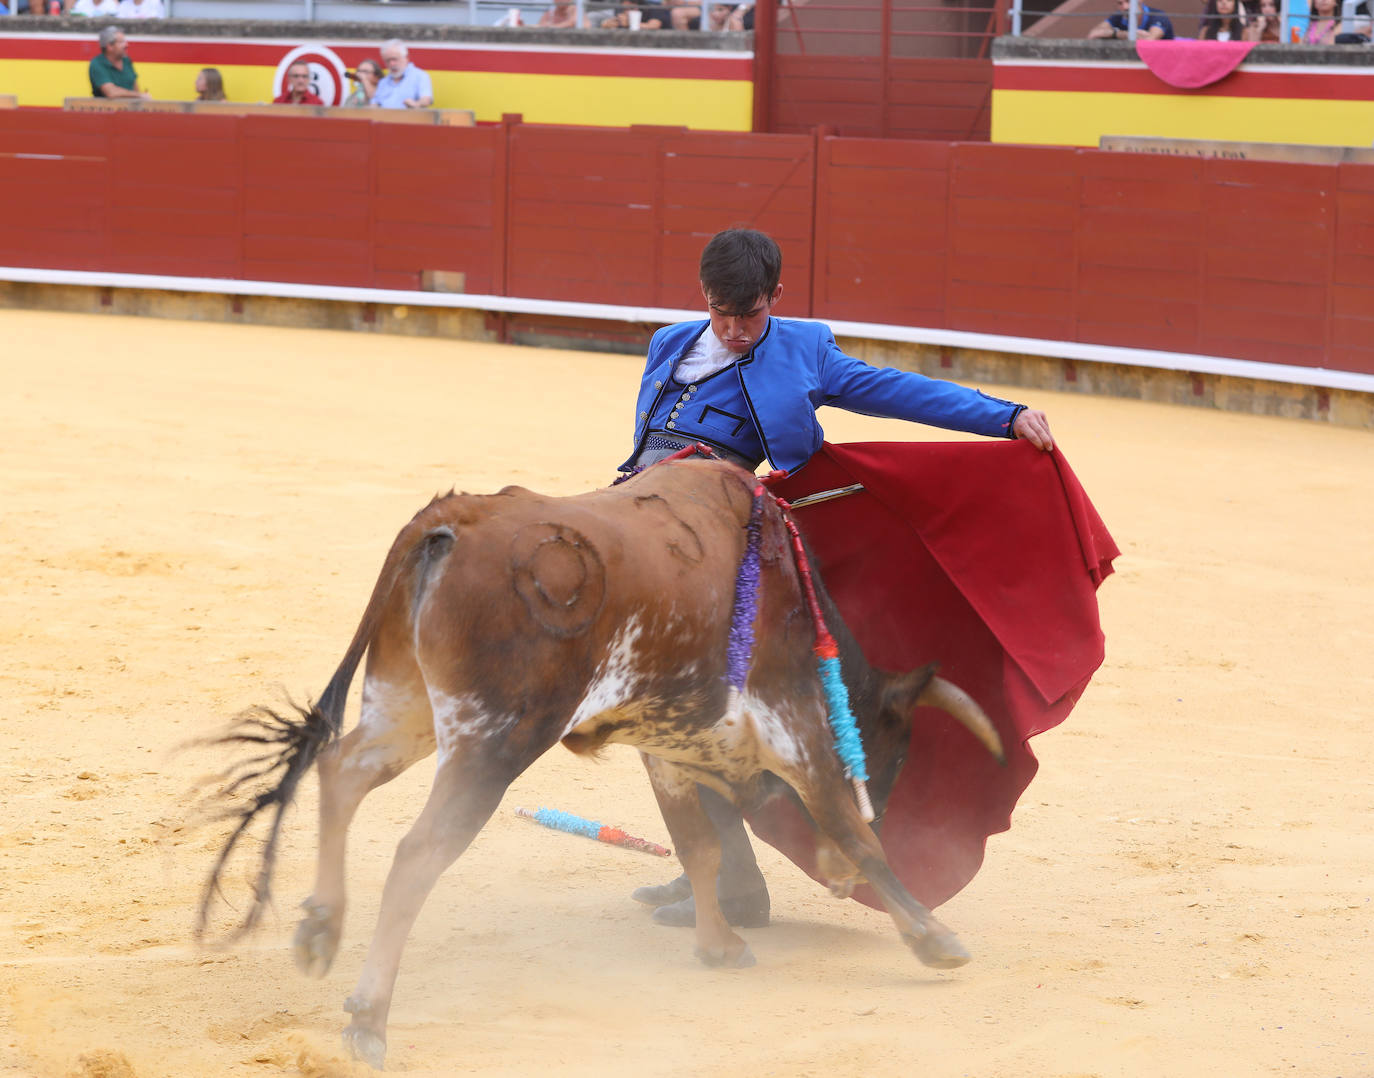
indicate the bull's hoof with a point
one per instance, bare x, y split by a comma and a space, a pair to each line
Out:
316, 941
365, 1045
939, 948
842, 888
740, 957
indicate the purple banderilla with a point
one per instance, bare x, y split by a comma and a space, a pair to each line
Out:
741, 643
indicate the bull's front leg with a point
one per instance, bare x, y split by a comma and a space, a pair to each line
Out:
698, 848
837, 816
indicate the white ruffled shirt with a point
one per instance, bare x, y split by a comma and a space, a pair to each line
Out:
707, 356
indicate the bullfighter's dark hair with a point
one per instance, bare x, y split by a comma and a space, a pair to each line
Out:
738, 266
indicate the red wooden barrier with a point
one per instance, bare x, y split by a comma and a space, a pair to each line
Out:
1259, 261
609, 215
1139, 263
882, 231
1352, 289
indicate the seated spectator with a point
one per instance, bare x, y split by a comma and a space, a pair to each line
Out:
405, 85
95, 9
210, 85
611, 18
297, 91
1323, 25
562, 16
742, 18
1265, 26
141, 9
723, 17
1222, 20
111, 70
365, 81
1355, 30
1151, 23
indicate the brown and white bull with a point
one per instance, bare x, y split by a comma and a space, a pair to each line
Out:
504, 624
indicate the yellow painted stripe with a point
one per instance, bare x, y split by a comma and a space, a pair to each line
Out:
704, 104
716, 104
1080, 119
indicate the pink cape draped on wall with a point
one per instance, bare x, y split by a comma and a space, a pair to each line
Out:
1190, 65
985, 557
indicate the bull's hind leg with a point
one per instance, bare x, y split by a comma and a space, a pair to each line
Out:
837, 816
473, 773
396, 729
698, 848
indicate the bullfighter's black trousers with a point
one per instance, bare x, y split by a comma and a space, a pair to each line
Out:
739, 869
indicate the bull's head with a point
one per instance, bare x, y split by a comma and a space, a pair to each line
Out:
885, 709
885, 721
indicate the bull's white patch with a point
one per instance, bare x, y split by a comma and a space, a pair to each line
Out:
460, 718
617, 680
775, 730
391, 719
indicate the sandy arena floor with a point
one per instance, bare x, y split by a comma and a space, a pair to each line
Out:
191, 518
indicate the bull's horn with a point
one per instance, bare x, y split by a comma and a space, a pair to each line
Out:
940, 693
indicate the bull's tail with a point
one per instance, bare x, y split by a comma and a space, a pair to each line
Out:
285, 746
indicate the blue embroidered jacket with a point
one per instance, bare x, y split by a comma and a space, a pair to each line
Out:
795, 368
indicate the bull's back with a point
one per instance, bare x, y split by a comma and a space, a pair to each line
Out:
539, 590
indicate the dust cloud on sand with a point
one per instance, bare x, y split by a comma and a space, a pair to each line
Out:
192, 517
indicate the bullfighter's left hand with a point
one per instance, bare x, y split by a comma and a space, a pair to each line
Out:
1033, 426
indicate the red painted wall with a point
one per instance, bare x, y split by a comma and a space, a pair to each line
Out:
1258, 261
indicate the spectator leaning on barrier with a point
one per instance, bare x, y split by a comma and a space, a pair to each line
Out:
1355, 30
111, 70
405, 85
562, 16
297, 90
1265, 25
723, 17
1151, 24
614, 19
1223, 20
1323, 26
141, 9
95, 9
209, 85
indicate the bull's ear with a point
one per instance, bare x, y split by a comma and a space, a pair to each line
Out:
903, 690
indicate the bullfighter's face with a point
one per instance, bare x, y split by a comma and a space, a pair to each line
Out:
740, 330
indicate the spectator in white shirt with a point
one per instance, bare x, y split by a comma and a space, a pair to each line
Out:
141, 9
95, 9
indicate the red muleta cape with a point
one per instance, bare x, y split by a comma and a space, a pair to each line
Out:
984, 557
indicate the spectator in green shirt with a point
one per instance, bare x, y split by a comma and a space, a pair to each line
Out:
112, 72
